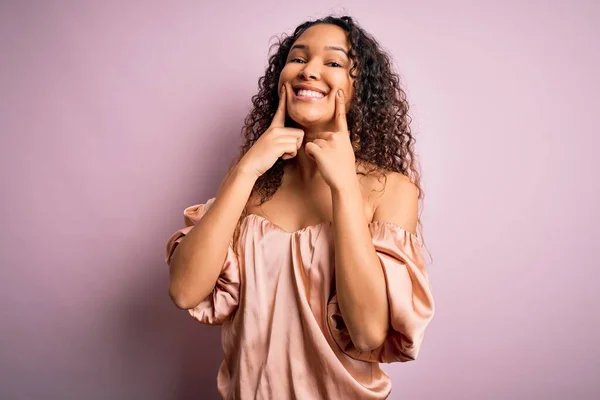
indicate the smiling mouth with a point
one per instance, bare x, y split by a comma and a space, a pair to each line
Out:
310, 95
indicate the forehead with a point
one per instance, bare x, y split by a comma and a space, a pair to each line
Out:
321, 35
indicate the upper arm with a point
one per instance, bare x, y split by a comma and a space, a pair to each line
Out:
399, 203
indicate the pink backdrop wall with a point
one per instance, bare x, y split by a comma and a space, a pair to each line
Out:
116, 115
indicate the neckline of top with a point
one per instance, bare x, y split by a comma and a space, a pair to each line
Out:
328, 223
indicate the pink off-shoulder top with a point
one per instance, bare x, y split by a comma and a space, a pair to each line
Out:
283, 335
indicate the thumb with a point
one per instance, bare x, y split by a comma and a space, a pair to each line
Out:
312, 150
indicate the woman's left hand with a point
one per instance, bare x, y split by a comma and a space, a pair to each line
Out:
333, 152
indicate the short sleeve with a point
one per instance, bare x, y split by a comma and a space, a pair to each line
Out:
224, 299
409, 295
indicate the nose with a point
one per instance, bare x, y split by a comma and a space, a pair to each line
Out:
311, 71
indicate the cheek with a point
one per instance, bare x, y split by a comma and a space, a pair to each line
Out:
346, 84
350, 85
286, 74
350, 90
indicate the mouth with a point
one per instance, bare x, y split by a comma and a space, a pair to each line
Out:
308, 93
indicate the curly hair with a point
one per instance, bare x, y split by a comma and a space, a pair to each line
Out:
378, 118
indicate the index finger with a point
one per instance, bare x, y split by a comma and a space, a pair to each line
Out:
341, 124
279, 118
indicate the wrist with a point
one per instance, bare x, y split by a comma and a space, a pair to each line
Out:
350, 188
241, 172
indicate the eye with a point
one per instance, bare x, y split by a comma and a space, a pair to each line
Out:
297, 60
334, 64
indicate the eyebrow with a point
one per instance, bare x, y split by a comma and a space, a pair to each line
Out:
305, 47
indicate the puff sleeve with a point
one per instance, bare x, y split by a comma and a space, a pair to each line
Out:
411, 304
223, 300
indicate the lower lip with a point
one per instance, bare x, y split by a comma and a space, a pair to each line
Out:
306, 98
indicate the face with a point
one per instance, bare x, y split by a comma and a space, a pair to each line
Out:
316, 67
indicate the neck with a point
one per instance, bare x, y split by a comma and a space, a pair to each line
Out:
302, 166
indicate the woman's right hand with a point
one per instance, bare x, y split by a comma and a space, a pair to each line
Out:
277, 141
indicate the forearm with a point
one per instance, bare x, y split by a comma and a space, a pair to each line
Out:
197, 260
360, 281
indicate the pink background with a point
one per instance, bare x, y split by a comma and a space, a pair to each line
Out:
116, 115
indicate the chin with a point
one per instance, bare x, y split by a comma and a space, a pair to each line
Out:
309, 120
307, 123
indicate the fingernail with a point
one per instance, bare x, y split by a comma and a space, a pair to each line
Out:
339, 93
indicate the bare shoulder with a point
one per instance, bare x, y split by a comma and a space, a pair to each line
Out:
385, 183
398, 201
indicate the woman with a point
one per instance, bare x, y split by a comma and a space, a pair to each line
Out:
308, 254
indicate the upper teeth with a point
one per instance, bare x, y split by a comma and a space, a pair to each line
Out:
309, 93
